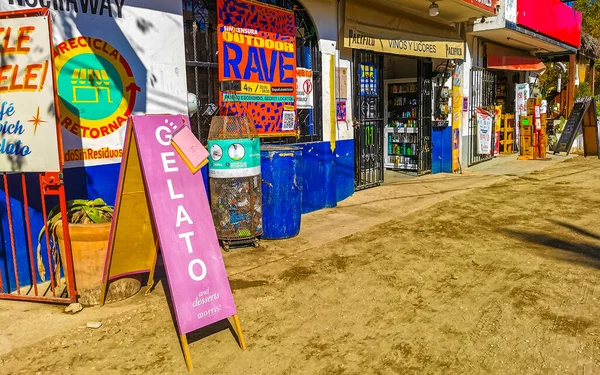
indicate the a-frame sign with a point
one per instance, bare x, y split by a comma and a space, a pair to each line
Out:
160, 205
583, 120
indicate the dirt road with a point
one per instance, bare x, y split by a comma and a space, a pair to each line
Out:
501, 279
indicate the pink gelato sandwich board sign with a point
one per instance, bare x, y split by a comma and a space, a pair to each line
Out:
161, 205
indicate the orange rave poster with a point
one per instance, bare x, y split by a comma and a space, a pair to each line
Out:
257, 47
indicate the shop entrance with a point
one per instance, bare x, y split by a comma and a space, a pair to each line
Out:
408, 114
368, 130
394, 103
483, 95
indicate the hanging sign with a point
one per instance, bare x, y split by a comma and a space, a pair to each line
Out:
486, 5
189, 148
28, 124
521, 97
158, 204
304, 88
257, 47
435, 49
484, 131
522, 94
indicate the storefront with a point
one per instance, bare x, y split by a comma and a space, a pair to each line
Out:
402, 86
507, 53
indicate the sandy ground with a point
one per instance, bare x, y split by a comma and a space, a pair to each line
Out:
472, 274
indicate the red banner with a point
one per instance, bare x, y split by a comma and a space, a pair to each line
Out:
487, 5
257, 48
551, 18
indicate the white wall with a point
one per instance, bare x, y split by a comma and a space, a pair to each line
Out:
148, 34
466, 92
328, 19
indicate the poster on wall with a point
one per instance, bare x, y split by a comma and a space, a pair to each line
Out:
110, 64
257, 47
484, 131
27, 107
521, 96
367, 76
98, 92
457, 97
497, 127
341, 94
341, 88
304, 88
341, 110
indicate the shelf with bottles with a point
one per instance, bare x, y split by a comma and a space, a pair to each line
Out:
403, 88
399, 115
408, 115
401, 101
398, 138
401, 162
501, 86
402, 126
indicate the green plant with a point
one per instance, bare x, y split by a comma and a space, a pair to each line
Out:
583, 90
79, 211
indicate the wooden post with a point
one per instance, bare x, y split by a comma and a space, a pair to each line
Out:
238, 329
571, 86
185, 347
592, 76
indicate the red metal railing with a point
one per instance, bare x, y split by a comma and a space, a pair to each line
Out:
51, 185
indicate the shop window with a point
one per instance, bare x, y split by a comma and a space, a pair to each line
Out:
200, 28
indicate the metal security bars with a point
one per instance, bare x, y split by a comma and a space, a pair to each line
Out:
368, 129
200, 28
483, 95
45, 275
425, 111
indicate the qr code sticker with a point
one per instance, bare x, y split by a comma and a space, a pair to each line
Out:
289, 121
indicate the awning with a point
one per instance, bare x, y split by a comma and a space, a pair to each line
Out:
502, 58
381, 29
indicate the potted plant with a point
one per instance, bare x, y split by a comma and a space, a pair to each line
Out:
89, 230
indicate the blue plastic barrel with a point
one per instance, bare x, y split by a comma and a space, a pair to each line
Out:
281, 169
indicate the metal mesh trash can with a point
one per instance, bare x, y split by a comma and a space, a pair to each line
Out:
235, 180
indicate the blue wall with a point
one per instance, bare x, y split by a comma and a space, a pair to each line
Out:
344, 169
328, 177
441, 153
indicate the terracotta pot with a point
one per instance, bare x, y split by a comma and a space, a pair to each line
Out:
89, 243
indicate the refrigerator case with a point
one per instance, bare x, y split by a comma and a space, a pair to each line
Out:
401, 132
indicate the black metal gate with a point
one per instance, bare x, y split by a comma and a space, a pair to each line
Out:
483, 95
425, 70
200, 30
368, 129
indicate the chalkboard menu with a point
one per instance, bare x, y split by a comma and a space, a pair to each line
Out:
572, 127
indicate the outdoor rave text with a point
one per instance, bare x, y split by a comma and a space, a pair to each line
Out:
15, 78
110, 8
253, 61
